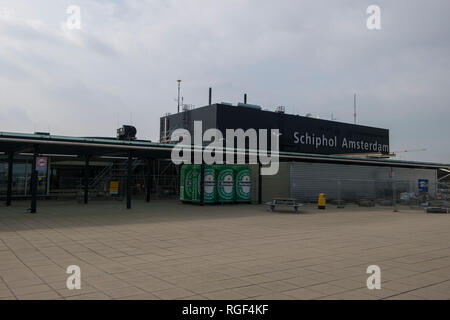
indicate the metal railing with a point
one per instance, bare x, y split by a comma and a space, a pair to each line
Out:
364, 192
443, 190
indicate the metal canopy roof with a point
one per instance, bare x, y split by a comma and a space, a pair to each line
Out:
65, 145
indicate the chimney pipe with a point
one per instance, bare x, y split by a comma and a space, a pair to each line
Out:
210, 95
245, 98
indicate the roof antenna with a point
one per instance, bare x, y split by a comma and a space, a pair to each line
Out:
210, 96
354, 108
179, 87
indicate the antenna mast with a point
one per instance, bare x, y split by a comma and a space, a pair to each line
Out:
354, 108
179, 87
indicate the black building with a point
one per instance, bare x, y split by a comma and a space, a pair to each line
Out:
297, 133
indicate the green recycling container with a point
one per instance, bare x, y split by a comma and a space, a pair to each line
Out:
194, 190
243, 184
185, 169
210, 185
225, 184
190, 183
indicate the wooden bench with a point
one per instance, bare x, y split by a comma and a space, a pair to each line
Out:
289, 202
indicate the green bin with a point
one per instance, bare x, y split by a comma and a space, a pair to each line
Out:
185, 183
194, 176
225, 184
210, 185
243, 184
190, 183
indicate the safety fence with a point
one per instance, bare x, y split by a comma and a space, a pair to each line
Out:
364, 192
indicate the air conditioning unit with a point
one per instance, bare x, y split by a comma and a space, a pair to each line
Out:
280, 109
126, 133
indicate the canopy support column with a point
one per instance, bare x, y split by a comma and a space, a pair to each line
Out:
129, 177
149, 179
86, 179
10, 175
34, 181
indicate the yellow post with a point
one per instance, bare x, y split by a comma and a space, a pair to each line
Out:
322, 202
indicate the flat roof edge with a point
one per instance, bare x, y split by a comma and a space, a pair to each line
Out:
144, 145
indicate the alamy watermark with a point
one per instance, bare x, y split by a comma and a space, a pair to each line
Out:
374, 281
374, 20
74, 280
74, 19
218, 153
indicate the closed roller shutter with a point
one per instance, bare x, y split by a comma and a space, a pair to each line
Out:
307, 180
276, 185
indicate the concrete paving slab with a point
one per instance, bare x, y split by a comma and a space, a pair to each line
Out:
166, 250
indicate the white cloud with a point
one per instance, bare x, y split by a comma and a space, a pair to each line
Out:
309, 56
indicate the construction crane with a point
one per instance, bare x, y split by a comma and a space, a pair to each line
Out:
411, 150
394, 153
377, 154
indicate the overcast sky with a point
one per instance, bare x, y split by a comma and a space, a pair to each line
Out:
121, 67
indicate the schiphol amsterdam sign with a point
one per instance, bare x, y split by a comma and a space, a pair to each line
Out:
212, 146
340, 144
307, 135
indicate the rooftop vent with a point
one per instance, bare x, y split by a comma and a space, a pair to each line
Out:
280, 109
126, 133
187, 107
246, 105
